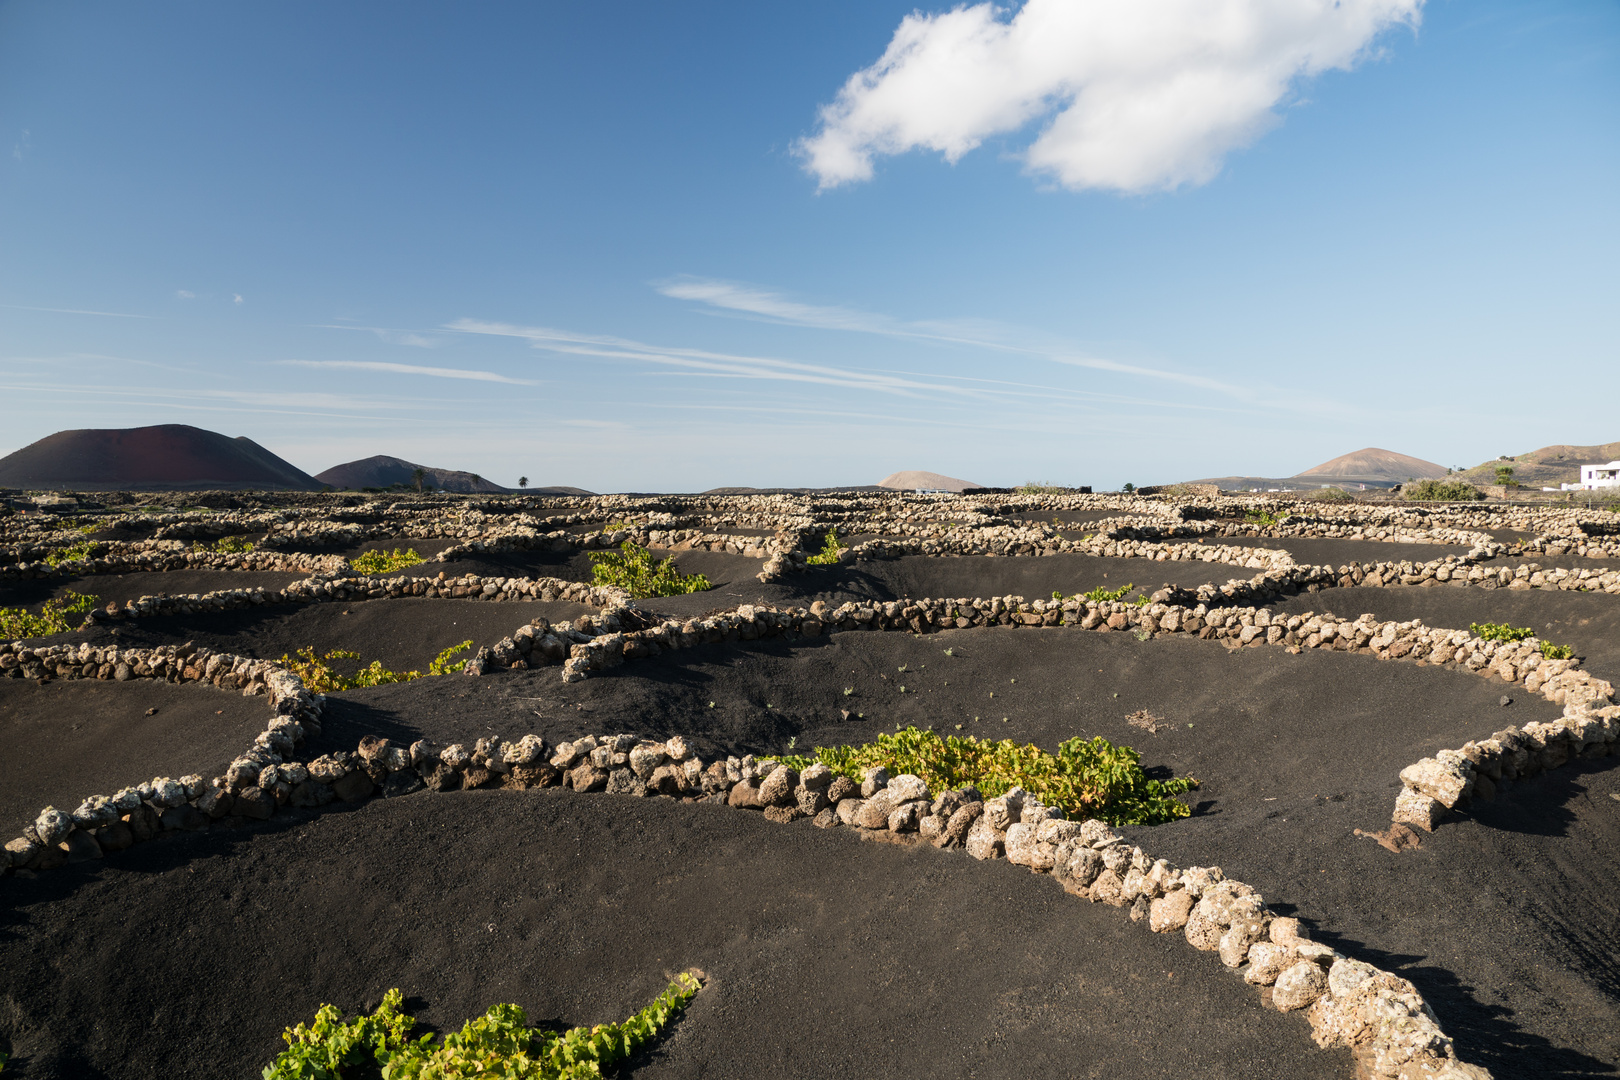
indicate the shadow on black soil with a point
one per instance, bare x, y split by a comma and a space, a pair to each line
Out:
877, 959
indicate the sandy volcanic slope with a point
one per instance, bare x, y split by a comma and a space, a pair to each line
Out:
1328, 552
405, 634
121, 588
1505, 921
66, 741
828, 956
1588, 622
1503, 918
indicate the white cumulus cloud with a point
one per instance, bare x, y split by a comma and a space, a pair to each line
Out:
1138, 94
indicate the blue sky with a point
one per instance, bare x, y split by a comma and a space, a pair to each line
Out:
668, 247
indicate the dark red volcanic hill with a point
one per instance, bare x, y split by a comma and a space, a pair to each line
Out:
383, 471
165, 457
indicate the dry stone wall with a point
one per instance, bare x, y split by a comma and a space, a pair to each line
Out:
1589, 728
259, 780
1379, 1016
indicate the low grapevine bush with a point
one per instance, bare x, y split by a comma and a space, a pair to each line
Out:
319, 675
1500, 631
828, 555
227, 545
70, 554
498, 1044
1504, 632
1086, 778
1100, 595
634, 569
56, 616
385, 562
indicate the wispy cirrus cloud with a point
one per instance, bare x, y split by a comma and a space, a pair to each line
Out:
410, 369
416, 339
701, 362
752, 301
75, 311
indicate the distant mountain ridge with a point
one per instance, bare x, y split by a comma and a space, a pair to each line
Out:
1375, 464
1548, 467
163, 457
382, 471
913, 480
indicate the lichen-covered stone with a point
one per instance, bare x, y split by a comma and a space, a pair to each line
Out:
1298, 986
1170, 912
1109, 888
849, 810
906, 788
1446, 782
985, 841
956, 829
1267, 961
1415, 808
53, 826
777, 788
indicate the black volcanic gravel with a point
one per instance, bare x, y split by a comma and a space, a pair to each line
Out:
828, 956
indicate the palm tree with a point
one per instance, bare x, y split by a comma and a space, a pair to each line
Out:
418, 474
523, 481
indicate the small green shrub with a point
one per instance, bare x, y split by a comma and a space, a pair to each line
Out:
1504, 632
55, 616
828, 555
1100, 595
1085, 778
70, 554
321, 678
1441, 491
1039, 487
385, 562
441, 665
226, 545
499, 1044
1264, 519
1500, 631
641, 576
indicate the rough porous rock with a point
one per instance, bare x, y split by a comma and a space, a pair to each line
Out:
956, 829
985, 841
1422, 811
841, 788
1298, 986
777, 788
1447, 783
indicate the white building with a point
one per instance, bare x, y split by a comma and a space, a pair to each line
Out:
1594, 477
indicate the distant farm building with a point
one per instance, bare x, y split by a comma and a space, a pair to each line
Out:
1594, 477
